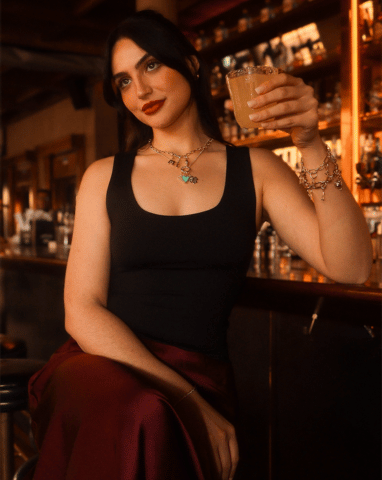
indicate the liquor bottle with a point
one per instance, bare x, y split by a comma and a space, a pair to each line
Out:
375, 96
216, 78
244, 22
376, 162
280, 55
367, 26
375, 182
221, 32
267, 12
317, 51
298, 60
288, 5
377, 27
268, 55
201, 41
368, 153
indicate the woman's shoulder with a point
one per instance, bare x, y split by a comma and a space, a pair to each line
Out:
265, 161
97, 175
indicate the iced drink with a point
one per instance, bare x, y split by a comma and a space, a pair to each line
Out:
241, 85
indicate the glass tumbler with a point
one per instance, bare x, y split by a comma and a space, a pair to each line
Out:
241, 85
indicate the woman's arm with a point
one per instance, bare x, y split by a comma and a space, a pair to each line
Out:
87, 319
331, 235
99, 332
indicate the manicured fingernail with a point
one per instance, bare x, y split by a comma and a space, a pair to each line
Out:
254, 116
260, 89
252, 103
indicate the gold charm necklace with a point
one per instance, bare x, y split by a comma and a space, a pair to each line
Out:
185, 176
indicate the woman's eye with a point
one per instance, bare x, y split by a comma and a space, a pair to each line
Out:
124, 82
152, 65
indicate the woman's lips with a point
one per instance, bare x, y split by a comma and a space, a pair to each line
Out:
152, 107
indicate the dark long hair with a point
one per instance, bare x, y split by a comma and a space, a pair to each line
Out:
161, 39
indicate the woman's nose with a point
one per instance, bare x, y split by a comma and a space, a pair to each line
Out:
143, 88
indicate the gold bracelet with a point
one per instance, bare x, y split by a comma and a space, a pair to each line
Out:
336, 175
186, 395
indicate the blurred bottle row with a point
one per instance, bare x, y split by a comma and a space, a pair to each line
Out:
43, 228
249, 18
370, 22
294, 49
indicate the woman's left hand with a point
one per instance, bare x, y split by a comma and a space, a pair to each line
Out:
295, 111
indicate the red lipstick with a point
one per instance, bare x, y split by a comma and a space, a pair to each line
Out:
152, 107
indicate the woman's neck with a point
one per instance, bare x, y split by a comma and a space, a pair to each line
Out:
182, 136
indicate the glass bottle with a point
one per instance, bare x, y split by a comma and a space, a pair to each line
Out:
201, 41
267, 12
288, 5
221, 32
280, 55
367, 26
244, 22
375, 96
378, 23
377, 157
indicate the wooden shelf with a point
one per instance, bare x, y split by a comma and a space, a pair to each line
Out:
280, 139
371, 122
305, 13
372, 51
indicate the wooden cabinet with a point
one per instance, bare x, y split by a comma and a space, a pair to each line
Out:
344, 56
55, 168
61, 166
19, 186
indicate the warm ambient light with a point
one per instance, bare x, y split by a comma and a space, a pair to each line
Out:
354, 34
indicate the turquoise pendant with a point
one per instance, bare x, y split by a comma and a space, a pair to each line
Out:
186, 179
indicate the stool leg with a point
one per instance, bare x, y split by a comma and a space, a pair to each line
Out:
6, 446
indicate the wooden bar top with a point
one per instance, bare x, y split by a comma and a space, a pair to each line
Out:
290, 275
297, 276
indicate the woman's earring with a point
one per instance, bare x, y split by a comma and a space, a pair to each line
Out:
197, 76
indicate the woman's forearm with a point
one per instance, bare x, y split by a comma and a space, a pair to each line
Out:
344, 237
99, 332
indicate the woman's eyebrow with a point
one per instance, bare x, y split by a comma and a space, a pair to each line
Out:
137, 65
141, 60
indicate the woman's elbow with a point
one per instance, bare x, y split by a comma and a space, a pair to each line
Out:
359, 274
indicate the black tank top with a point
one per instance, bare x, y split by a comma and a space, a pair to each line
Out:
175, 278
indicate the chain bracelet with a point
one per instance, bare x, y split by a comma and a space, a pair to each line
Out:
313, 173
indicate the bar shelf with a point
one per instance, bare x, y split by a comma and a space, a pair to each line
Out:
280, 139
305, 13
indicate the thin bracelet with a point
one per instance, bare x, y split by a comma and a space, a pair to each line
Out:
186, 395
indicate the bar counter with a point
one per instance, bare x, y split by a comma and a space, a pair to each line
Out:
290, 275
305, 352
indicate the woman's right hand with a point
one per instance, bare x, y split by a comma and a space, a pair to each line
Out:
213, 435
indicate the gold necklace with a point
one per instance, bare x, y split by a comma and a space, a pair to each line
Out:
185, 176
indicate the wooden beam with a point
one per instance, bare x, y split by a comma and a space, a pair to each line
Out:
31, 39
22, 12
81, 7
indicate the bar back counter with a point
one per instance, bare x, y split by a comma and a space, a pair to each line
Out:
306, 354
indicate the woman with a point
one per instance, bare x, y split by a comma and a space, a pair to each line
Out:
162, 240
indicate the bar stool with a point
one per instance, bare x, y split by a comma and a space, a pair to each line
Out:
15, 374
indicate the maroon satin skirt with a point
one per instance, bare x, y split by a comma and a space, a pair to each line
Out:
96, 419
